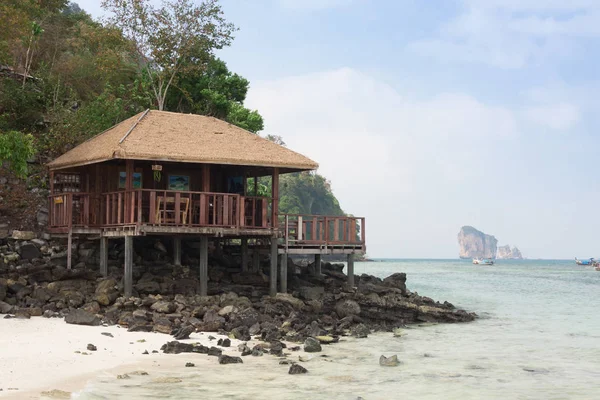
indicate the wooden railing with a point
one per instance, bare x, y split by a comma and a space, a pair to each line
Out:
322, 230
71, 209
159, 208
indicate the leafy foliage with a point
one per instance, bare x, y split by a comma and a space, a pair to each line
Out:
15, 149
167, 37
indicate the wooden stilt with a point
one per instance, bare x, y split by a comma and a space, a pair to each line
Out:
69, 249
104, 256
128, 277
177, 251
244, 255
203, 266
255, 260
317, 267
351, 270
283, 272
273, 271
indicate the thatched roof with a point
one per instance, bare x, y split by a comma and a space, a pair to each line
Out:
167, 136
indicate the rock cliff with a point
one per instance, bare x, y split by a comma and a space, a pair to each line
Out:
476, 244
506, 253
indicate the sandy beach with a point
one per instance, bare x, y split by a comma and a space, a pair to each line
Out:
40, 354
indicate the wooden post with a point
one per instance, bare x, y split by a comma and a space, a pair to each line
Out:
128, 277
244, 255
275, 203
273, 271
317, 268
205, 177
127, 210
69, 249
255, 259
203, 265
177, 251
283, 272
104, 256
351, 270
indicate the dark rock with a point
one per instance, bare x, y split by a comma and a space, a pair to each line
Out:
397, 280
240, 333
360, 331
164, 307
214, 351
276, 348
296, 369
175, 347
312, 292
347, 307
107, 334
29, 251
40, 276
224, 342
91, 347
145, 352
184, 332
189, 364
312, 345
140, 328
225, 359
22, 314
81, 317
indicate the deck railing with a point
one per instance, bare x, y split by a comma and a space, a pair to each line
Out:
159, 208
312, 230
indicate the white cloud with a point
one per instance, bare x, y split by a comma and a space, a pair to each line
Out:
388, 156
560, 116
513, 34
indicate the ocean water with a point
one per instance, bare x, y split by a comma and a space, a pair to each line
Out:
538, 337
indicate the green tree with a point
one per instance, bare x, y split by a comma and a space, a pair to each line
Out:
15, 149
215, 91
166, 37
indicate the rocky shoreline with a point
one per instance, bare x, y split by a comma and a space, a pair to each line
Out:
317, 308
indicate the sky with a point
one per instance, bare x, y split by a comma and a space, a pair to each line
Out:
430, 115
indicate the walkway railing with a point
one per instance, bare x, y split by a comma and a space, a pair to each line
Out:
318, 230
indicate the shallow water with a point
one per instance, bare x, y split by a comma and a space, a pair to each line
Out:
538, 338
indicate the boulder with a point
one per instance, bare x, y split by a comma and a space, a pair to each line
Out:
296, 369
347, 307
165, 307
29, 251
360, 331
391, 361
397, 280
23, 235
81, 317
225, 359
312, 292
312, 345
289, 299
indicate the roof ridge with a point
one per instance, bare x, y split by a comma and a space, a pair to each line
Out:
133, 126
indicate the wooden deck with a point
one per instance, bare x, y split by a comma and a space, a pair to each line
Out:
164, 212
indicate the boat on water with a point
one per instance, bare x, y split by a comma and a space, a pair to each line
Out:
591, 261
483, 261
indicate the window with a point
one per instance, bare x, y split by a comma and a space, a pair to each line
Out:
67, 183
137, 180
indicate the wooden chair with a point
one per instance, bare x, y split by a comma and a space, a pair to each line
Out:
166, 213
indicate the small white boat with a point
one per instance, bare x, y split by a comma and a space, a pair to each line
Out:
483, 261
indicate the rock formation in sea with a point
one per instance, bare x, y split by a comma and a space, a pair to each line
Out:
506, 253
476, 244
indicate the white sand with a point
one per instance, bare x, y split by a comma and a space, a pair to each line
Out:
39, 354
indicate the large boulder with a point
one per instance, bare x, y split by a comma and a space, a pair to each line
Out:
23, 235
312, 292
312, 345
165, 307
289, 299
29, 251
82, 317
347, 307
397, 280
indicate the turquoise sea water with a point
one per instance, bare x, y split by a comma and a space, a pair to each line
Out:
538, 337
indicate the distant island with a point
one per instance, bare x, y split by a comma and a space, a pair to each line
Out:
475, 244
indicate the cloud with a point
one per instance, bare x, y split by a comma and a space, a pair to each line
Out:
560, 116
389, 157
512, 34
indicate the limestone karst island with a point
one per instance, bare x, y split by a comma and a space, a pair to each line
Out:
474, 244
